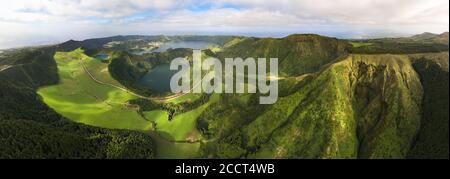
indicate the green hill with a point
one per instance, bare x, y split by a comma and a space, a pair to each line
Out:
432, 140
421, 43
431, 38
364, 106
30, 129
297, 54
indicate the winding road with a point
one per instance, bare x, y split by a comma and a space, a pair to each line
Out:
5, 68
158, 99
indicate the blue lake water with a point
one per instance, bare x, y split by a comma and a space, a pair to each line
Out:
102, 57
157, 79
198, 45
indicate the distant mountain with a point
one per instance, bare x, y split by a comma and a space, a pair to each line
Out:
421, 43
430, 37
424, 36
442, 38
99, 43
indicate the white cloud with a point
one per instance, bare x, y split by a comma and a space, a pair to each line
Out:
54, 10
364, 12
64, 19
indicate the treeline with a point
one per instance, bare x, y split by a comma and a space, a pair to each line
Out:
30, 129
380, 47
29, 139
170, 108
167, 56
223, 123
127, 69
217, 39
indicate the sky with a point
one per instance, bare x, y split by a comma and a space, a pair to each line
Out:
36, 22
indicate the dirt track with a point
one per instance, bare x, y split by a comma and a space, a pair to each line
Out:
158, 99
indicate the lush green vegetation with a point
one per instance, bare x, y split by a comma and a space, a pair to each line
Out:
30, 139
297, 54
344, 111
176, 122
432, 140
332, 103
108, 107
29, 129
126, 69
175, 150
360, 44
81, 99
398, 48
423, 43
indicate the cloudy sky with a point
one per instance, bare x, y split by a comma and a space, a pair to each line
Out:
31, 22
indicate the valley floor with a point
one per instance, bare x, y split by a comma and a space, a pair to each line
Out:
88, 94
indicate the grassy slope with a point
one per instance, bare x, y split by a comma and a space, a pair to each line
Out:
30, 129
417, 44
365, 106
79, 98
181, 128
170, 150
388, 97
186, 98
433, 138
360, 44
315, 122
375, 98
297, 54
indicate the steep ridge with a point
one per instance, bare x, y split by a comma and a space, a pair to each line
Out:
433, 138
365, 106
297, 54
387, 95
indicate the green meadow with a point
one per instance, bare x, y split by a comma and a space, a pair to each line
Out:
185, 98
173, 137
79, 98
171, 150
183, 126
360, 44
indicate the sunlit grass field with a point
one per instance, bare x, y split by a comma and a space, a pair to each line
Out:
79, 98
360, 44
